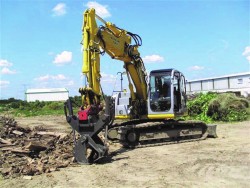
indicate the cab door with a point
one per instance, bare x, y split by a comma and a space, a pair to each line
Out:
183, 94
179, 92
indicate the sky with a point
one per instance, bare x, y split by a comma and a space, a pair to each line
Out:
40, 40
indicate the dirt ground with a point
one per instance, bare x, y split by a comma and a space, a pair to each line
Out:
220, 162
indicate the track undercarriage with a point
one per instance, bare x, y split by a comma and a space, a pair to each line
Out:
139, 133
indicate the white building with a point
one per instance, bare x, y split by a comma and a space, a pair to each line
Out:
239, 83
55, 94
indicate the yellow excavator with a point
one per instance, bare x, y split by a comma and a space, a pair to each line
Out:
149, 112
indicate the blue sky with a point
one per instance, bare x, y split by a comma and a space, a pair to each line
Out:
40, 40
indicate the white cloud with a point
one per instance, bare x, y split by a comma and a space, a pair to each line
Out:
51, 77
63, 58
5, 63
43, 78
196, 68
248, 58
100, 10
59, 77
5, 70
246, 53
59, 9
108, 78
104, 75
153, 59
51, 81
4, 83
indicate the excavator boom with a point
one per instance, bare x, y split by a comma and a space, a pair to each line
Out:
116, 43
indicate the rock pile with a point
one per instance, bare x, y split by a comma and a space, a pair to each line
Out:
25, 151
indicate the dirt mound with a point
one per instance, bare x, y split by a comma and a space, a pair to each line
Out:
226, 106
31, 152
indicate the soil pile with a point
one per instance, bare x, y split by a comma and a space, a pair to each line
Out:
25, 151
228, 107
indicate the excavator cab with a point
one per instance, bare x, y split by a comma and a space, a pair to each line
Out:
167, 94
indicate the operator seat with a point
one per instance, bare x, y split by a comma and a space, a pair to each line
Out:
166, 90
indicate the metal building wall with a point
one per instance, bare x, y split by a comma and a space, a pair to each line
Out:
235, 83
207, 85
221, 83
57, 96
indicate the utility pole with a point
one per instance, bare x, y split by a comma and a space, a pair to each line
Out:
121, 79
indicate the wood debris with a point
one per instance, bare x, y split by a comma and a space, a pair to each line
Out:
32, 152
4, 141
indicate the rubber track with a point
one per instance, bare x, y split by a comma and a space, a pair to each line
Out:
161, 141
204, 136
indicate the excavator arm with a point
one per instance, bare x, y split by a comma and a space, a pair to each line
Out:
116, 43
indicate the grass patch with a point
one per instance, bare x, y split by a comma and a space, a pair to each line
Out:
27, 109
248, 113
226, 107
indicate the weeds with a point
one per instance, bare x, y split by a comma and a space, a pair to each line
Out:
27, 109
218, 107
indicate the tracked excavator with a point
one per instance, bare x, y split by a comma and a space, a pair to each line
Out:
148, 113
